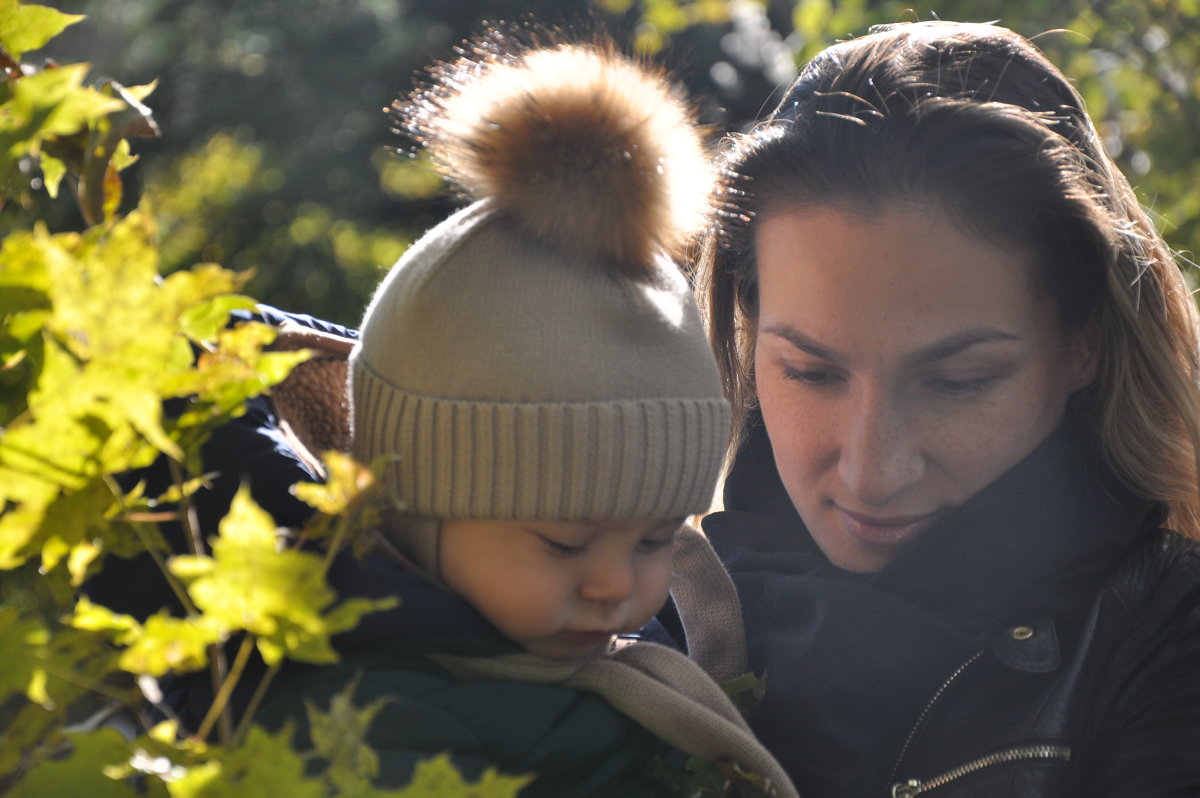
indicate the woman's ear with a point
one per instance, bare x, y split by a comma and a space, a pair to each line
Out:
1085, 355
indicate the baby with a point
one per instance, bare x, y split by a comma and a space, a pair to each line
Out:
536, 372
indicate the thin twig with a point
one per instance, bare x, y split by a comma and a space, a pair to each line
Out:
259, 693
339, 537
187, 511
93, 686
221, 700
218, 671
176, 587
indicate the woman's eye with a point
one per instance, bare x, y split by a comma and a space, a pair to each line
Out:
815, 377
968, 387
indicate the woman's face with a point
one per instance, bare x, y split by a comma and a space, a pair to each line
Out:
902, 364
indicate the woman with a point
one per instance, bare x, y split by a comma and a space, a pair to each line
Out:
965, 368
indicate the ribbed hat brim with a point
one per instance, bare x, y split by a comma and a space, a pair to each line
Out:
646, 458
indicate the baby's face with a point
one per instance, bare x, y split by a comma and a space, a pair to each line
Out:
561, 589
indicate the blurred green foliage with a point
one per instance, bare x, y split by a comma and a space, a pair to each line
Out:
298, 187
94, 342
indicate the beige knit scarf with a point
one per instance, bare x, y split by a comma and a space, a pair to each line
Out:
658, 687
675, 698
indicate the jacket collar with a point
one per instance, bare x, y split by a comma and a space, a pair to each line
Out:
1055, 523
851, 659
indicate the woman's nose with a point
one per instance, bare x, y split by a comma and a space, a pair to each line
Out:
880, 456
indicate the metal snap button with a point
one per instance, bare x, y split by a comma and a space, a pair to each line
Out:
1021, 632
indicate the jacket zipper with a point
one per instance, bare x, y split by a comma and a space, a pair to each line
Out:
912, 733
914, 787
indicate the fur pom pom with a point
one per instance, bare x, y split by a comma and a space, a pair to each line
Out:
577, 143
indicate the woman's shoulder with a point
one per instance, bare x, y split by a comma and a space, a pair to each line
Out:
1159, 575
1145, 702
1147, 618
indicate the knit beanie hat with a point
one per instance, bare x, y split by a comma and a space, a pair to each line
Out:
539, 355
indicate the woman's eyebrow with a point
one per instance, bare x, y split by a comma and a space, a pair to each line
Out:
801, 341
953, 344
938, 350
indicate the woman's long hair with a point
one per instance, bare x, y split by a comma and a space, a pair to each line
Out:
972, 119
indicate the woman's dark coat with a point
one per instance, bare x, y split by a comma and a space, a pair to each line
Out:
1041, 640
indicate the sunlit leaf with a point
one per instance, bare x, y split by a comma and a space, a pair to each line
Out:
19, 527
264, 765
53, 171
143, 91
81, 772
189, 488
80, 559
437, 777
347, 479
204, 320
114, 190
279, 595
340, 737
162, 644
170, 644
232, 373
54, 526
51, 102
122, 158
24, 283
94, 617
28, 27
21, 640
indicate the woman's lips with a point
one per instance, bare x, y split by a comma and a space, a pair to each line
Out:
886, 532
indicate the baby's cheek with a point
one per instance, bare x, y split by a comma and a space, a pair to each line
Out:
655, 597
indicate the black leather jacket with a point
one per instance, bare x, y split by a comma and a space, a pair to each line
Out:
1044, 640
1111, 709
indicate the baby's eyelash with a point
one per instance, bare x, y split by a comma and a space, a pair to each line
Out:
564, 549
650, 544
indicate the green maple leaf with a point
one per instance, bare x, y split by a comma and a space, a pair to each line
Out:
347, 509
100, 343
264, 765
347, 480
82, 772
24, 283
98, 618
278, 595
204, 320
77, 526
162, 644
53, 171
119, 342
438, 778
53, 102
75, 521
226, 375
170, 644
340, 737
24, 28
22, 641
28, 499
44, 676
